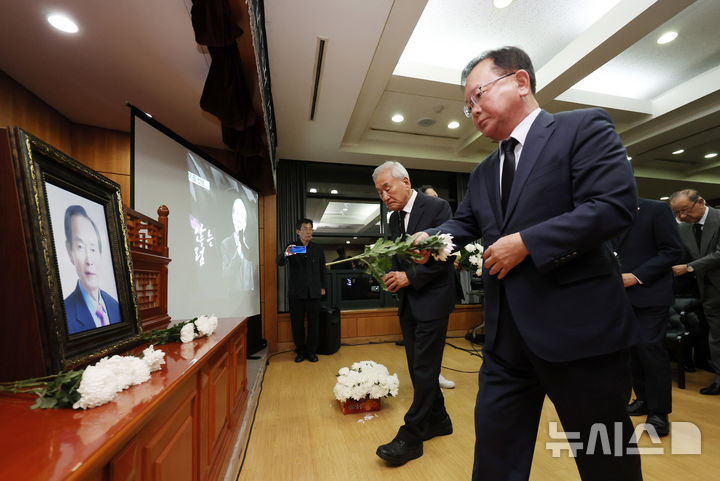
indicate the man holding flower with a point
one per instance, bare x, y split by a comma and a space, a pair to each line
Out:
427, 297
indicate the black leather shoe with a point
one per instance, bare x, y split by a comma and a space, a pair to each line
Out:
299, 358
313, 358
401, 342
660, 423
442, 428
637, 408
711, 390
398, 452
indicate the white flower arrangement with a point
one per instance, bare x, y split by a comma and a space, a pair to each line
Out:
103, 380
200, 327
470, 258
443, 253
365, 379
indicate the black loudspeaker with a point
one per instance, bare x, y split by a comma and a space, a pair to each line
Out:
329, 328
255, 342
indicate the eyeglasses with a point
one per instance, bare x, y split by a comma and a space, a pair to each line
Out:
475, 98
685, 210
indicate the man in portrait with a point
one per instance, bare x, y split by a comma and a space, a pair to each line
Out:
236, 265
88, 306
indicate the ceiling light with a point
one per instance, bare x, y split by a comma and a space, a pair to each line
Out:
334, 191
711, 155
62, 23
501, 3
678, 151
313, 190
397, 118
665, 198
454, 124
347, 242
667, 37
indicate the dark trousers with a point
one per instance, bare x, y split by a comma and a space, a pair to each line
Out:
587, 393
424, 344
298, 309
650, 362
711, 308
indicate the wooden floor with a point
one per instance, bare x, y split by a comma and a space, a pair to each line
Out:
300, 433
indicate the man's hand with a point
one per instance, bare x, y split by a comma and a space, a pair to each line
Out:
504, 254
679, 270
395, 280
419, 237
629, 280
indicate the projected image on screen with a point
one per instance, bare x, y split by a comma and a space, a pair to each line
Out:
213, 227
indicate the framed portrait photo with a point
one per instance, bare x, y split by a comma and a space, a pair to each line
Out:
79, 256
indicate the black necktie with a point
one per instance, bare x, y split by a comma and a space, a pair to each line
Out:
697, 229
508, 173
401, 221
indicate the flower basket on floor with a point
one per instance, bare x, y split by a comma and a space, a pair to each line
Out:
360, 387
352, 406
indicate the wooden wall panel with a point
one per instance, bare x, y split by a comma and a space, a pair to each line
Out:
20, 107
104, 150
268, 272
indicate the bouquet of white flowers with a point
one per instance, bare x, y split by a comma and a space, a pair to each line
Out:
377, 256
470, 258
365, 379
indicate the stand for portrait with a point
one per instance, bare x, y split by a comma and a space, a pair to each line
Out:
45, 328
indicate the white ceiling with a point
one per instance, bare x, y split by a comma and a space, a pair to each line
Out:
586, 53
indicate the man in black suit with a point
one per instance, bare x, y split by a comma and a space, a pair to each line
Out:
647, 251
700, 234
557, 320
427, 297
306, 288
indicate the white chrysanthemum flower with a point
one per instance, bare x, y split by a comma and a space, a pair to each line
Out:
206, 325
478, 272
475, 260
479, 248
365, 379
153, 358
97, 387
187, 333
128, 370
470, 247
447, 248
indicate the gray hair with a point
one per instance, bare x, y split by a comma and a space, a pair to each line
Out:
692, 195
396, 168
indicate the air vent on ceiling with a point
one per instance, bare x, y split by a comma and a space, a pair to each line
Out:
426, 122
319, 56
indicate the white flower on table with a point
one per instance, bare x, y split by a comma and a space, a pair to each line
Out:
206, 325
187, 332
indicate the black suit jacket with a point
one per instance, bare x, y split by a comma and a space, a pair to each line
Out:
431, 293
648, 250
573, 191
307, 272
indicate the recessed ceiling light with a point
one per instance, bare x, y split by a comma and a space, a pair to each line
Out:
454, 124
397, 118
711, 155
501, 3
665, 198
62, 23
667, 37
334, 191
313, 190
678, 151
347, 242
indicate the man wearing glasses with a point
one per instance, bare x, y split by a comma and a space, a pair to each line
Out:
557, 320
700, 234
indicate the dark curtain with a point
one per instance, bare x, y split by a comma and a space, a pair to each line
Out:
291, 180
461, 181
